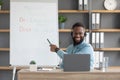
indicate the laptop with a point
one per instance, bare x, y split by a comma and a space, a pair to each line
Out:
76, 62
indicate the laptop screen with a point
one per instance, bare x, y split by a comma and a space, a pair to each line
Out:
76, 62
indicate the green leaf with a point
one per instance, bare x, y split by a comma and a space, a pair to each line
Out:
32, 62
1, 2
62, 19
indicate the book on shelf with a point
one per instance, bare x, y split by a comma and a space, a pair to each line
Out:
80, 4
102, 40
98, 58
98, 39
93, 39
95, 20
97, 44
85, 4
87, 37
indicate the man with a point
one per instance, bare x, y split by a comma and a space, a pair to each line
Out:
79, 46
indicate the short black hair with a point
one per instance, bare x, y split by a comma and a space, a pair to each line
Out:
78, 24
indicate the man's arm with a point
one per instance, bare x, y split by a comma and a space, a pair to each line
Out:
59, 52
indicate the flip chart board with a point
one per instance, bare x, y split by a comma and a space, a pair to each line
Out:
31, 23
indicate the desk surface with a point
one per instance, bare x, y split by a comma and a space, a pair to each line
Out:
109, 70
113, 73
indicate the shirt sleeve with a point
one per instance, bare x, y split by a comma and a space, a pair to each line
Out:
61, 53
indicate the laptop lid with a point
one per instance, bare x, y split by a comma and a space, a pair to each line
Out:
76, 62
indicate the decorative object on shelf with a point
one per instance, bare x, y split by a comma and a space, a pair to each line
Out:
110, 4
1, 3
62, 19
33, 66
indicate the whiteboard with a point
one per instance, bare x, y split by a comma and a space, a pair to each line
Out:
31, 23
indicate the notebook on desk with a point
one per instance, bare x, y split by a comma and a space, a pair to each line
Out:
76, 62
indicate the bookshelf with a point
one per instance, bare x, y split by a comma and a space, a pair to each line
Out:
106, 30
69, 30
5, 70
86, 11
73, 11
94, 30
97, 49
4, 30
65, 30
4, 49
105, 11
107, 49
109, 25
4, 11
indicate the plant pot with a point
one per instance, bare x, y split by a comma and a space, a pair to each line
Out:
33, 67
61, 25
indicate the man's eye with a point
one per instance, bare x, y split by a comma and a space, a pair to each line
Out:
78, 33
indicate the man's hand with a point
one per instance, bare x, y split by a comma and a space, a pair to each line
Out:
53, 47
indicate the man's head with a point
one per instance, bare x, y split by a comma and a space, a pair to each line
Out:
78, 33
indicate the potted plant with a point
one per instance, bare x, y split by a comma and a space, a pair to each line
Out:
33, 66
62, 19
1, 3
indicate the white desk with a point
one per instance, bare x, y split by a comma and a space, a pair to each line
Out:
113, 73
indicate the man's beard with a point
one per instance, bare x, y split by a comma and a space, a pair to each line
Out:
76, 43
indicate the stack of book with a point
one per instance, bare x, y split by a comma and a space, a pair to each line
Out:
87, 37
83, 5
96, 20
98, 39
98, 59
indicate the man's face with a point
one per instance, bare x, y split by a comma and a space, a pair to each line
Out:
78, 34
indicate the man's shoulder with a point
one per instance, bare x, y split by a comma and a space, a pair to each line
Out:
87, 47
86, 44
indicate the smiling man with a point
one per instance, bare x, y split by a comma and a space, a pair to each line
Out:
79, 46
